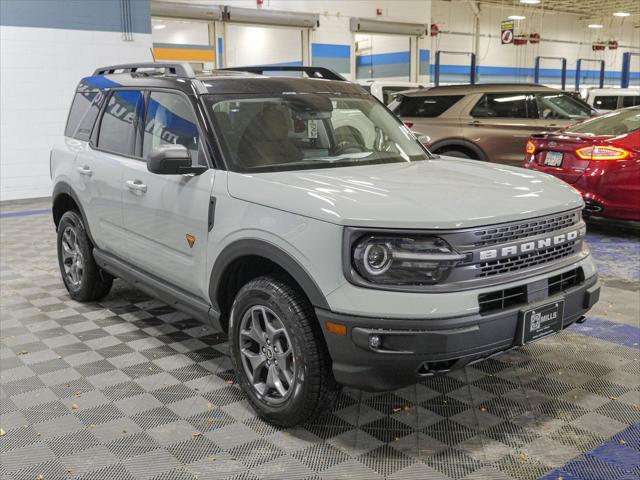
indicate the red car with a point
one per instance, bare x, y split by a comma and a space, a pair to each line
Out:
600, 157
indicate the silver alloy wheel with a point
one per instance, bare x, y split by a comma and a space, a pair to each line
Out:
72, 257
267, 354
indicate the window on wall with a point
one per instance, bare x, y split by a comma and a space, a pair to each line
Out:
501, 105
117, 127
170, 120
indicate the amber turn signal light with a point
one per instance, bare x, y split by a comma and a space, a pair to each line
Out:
337, 328
531, 148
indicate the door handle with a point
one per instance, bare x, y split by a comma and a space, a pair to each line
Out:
85, 170
136, 186
475, 123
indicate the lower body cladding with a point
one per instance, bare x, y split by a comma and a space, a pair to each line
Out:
378, 354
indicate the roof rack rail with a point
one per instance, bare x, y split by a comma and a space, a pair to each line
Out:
173, 68
313, 72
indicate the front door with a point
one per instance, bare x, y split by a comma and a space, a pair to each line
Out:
166, 217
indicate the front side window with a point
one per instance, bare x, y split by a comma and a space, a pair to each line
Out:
117, 128
606, 102
426, 107
561, 106
501, 105
170, 120
307, 130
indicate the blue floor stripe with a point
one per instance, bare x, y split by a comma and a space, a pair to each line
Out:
25, 213
619, 333
616, 459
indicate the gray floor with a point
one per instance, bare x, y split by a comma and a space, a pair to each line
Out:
129, 388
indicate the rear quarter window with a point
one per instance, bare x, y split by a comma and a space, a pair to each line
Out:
82, 115
428, 106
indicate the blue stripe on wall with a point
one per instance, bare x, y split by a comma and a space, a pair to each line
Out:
330, 50
25, 213
383, 58
97, 15
425, 56
526, 72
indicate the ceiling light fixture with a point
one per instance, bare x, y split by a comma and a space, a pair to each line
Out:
516, 17
619, 14
530, 2
594, 25
159, 27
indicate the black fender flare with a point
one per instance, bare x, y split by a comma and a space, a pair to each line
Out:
63, 188
459, 142
262, 248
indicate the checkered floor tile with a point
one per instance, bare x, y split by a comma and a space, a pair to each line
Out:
129, 388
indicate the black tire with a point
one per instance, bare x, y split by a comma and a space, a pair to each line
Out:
457, 154
92, 284
313, 390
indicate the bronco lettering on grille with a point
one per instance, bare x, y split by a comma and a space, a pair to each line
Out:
531, 246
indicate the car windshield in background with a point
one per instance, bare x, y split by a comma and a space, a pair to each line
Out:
429, 106
306, 130
615, 123
561, 106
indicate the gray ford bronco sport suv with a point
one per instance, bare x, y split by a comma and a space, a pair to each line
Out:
305, 220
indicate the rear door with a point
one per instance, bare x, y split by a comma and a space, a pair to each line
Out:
501, 123
98, 169
166, 217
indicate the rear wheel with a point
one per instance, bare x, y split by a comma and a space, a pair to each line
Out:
81, 275
278, 353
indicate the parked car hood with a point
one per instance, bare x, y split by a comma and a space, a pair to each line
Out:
441, 193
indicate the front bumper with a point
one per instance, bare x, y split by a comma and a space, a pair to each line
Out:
411, 349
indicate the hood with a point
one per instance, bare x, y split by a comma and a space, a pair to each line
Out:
441, 193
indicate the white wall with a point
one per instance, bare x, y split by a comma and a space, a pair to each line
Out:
563, 35
39, 71
189, 32
252, 45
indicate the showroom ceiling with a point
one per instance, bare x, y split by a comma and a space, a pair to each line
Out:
586, 8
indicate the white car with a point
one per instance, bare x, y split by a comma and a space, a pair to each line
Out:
607, 99
329, 255
386, 91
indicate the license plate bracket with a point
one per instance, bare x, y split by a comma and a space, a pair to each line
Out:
553, 159
539, 321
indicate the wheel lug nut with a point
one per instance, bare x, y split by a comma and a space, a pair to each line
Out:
264, 349
276, 362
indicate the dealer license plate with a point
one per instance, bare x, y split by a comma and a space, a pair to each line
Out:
553, 159
540, 321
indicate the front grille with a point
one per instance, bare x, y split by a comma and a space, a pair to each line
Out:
502, 299
566, 280
527, 260
512, 297
530, 228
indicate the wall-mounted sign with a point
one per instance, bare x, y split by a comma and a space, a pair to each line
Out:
506, 31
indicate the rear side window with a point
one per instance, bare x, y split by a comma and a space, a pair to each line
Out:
429, 107
630, 101
501, 105
608, 102
82, 115
117, 128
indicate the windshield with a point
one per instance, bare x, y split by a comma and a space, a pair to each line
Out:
615, 123
561, 106
293, 131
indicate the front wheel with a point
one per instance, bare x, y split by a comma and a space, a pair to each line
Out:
80, 273
278, 353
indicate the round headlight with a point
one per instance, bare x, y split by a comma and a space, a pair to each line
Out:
377, 258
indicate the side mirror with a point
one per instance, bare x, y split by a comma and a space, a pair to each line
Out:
172, 159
